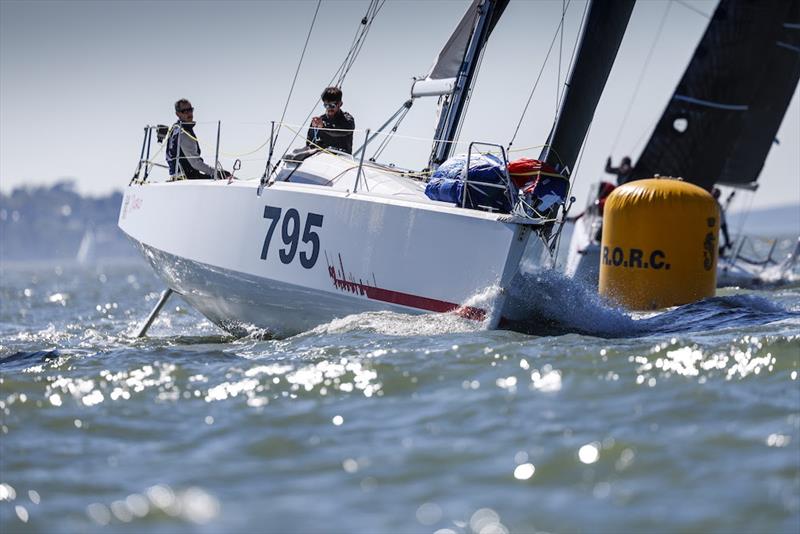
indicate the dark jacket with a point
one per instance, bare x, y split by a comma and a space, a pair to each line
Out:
186, 158
622, 177
333, 136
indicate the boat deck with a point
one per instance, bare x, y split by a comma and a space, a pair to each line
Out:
340, 173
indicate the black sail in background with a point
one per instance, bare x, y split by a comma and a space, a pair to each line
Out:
721, 121
605, 25
766, 112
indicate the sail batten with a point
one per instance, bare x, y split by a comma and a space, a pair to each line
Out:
708, 103
788, 46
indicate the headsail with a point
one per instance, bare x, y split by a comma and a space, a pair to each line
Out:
602, 34
441, 79
722, 119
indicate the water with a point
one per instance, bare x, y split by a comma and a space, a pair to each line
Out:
685, 420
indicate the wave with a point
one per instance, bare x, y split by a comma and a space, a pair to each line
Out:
549, 303
23, 359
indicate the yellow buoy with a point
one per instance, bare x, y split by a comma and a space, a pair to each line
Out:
660, 241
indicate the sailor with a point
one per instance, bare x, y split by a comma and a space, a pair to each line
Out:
334, 128
723, 224
187, 162
624, 172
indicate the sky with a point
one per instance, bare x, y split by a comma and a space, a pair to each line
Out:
80, 80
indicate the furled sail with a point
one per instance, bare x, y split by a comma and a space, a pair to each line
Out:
441, 79
722, 119
602, 34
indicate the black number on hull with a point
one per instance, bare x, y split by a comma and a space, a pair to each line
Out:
290, 238
290, 235
314, 219
274, 214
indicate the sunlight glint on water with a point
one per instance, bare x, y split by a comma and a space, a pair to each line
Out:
385, 422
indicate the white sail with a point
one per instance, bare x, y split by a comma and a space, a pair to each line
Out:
86, 250
441, 78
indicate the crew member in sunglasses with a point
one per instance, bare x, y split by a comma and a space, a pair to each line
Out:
185, 160
333, 129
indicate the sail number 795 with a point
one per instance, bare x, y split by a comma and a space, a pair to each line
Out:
290, 235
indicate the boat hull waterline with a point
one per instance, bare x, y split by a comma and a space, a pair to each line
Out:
301, 255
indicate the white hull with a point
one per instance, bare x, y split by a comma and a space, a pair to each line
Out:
583, 259
387, 248
737, 275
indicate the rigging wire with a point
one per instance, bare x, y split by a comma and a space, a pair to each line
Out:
387, 139
572, 58
356, 35
571, 186
536, 83
638, 86
299, 64
355, 48
575, 46
692, 8
748, 208
560, 48
645, 134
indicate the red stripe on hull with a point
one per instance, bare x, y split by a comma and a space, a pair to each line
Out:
341, 282
423, 303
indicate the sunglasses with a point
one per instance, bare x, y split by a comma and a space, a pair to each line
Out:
187, 110
330, 105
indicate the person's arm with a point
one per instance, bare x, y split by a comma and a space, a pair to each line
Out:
312, 137
610, 169
191, 151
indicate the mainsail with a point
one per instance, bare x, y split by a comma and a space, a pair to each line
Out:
722, 119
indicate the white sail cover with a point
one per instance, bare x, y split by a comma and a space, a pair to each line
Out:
441, 79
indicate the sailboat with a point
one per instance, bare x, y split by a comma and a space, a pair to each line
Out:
332, 235
86, 249
720, 122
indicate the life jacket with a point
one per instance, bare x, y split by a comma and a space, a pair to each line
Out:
336, 132
176, 161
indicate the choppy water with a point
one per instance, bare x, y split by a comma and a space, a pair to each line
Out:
686, 420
